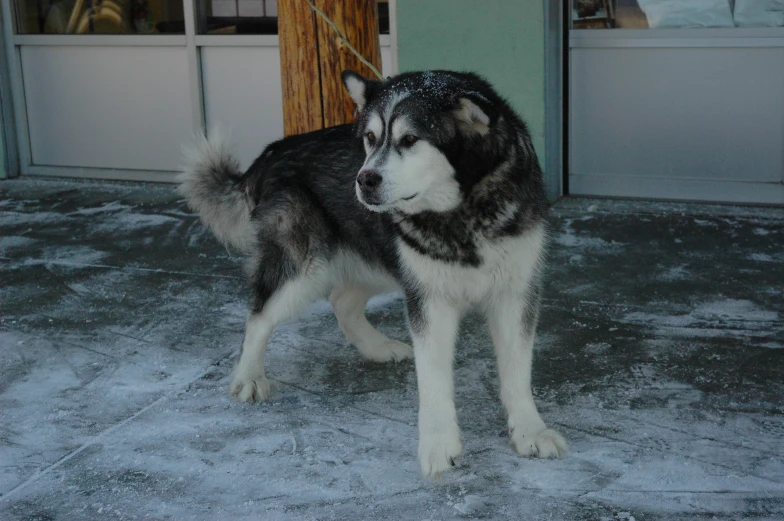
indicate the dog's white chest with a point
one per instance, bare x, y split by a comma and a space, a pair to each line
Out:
507, 265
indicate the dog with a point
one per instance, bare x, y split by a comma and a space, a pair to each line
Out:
435, 190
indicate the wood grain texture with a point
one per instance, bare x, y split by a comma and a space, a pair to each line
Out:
358, 21
299, 66
312, 57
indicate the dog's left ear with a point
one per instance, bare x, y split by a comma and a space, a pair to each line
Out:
359, 88
475, 114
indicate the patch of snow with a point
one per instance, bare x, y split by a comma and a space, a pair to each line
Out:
130, 221
728, 317
734, 309
672, 274
570, 239
74, 255
761, 257
113, 206
27, 218
15, 241
703, 222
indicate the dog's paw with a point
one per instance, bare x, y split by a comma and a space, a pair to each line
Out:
438, 452
387, 351
250, 389
543, 444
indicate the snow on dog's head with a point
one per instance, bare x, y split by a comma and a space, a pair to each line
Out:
427, 137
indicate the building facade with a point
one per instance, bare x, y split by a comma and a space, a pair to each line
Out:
627, 98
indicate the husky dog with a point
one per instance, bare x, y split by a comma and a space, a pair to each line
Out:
435, 190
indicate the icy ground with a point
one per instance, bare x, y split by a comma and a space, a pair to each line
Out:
659, 358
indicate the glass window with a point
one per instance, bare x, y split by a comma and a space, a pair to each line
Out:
669, 14
255, 16
383, 16
238, 16
99, 16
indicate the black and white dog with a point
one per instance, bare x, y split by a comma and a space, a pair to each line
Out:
435, 190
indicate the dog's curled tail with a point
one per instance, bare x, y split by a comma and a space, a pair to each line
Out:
210, 184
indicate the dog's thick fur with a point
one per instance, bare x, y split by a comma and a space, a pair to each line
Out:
435, 190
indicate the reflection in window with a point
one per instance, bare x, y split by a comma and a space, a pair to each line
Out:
255, 16
667, 14
99, 16
238, 16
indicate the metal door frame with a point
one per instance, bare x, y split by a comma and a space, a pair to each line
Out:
555, 99
8, 129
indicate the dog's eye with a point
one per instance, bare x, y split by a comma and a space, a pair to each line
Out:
408, 140
371, 137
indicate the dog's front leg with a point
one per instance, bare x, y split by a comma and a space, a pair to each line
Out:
512, 320
434, 326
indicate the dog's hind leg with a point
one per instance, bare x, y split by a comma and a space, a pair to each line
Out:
348, 303
249, 382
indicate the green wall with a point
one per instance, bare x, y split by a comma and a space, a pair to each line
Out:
503, 40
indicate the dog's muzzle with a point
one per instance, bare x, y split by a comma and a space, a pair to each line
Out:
369, 183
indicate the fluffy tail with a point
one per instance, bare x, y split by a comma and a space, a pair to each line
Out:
210, 184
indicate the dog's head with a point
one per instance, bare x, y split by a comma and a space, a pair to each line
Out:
428, 137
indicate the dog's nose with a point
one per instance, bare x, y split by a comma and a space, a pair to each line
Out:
369, 180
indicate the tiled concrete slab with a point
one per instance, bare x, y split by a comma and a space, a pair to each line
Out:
660, 359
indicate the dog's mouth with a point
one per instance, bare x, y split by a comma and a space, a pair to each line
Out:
371, 201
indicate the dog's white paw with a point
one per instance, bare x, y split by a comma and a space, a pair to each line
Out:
387, 350
438, 451
250, 389
546, 443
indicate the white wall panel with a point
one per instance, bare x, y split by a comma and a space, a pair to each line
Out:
714, 114
107, 107
242, 94
386, 60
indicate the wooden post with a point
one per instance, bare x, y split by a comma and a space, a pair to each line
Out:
312, 56
299, 67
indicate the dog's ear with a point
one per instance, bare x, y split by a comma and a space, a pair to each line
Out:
475, 114
359, 88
